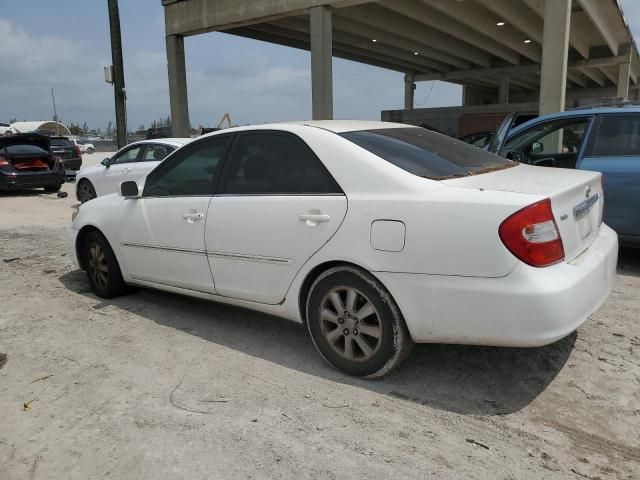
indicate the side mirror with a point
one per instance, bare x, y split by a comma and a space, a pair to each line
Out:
129, 189
537, 147
106, 162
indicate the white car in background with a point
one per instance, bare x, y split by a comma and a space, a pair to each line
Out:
132, 163
373, 235
84, 147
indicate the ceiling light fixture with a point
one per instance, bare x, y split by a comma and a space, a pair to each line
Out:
500, 24
527, 41
416, 53
374, 40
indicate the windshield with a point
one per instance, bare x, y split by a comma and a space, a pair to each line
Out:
427, 154
61, 142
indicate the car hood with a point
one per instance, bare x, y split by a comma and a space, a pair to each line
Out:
26, 139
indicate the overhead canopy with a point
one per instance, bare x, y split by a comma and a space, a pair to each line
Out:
469, 42
57, 127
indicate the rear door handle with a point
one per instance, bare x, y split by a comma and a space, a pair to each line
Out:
193, 216
312, 219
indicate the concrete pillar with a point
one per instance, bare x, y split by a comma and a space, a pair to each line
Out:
409, 91
555, 47
178, 86
321, 63
624, 72
503, 92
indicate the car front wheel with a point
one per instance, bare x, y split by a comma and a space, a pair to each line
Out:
89, 150
355, 324
86, 191
103, 271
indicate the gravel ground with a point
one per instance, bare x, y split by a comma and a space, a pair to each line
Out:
155, 385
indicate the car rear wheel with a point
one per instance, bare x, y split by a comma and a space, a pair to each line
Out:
90, 150
355, 324
86, 191
103, 271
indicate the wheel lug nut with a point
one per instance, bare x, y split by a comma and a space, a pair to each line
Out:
355, 331
356, 320
346, 331
341, 320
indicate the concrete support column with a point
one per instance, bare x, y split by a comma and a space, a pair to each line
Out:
321, 63
409, 91
624, 73
555, 47
178, 86
503, 92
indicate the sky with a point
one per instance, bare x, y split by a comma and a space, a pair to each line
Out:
64, 45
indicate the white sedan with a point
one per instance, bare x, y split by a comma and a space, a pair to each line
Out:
132, 162
373, 235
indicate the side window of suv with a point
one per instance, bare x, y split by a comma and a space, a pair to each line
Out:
276, 163
193, 172
617, 136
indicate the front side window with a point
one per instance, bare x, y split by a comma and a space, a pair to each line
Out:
427, 154
192, 172
156, 153
551, 138
618, 136
269, 164
130, 155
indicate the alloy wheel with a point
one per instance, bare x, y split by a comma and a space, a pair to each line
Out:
98, 268
351, 324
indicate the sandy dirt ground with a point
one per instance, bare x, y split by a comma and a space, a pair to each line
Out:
158, 386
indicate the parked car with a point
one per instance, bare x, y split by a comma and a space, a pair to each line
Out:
67, 151
605, 140
5, 129
159, 132
26, 161
84, 146
130, 163
373, 235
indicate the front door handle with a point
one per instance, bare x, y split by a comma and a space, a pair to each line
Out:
192, 216
314, 217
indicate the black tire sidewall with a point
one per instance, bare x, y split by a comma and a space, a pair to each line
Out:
90, 185
388, 318
115, 284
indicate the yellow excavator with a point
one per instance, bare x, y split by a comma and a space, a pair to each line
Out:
226, 117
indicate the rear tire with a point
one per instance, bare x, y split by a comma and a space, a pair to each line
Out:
103, 271
52, 188
85, 191
354, 323
90, 150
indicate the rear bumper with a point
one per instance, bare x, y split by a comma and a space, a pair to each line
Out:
72, 163
529, 307
13, 181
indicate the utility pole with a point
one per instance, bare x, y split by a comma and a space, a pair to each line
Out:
118, 73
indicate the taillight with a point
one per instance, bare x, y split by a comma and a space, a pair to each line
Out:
531, 234
4, 163
77, 151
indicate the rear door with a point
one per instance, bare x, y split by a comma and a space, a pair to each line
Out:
277, 206
614, 150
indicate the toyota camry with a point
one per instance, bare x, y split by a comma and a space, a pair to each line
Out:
373, 235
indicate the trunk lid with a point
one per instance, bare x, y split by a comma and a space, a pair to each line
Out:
576, 198
25, 139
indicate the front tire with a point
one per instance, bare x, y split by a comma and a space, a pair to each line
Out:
89, 150
354, 323
103, 271
86, 191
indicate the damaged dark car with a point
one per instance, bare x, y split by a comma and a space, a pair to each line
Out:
26, 161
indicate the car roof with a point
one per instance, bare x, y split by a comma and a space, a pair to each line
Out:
174, 142
577, 112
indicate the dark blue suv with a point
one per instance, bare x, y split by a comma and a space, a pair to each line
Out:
602, 139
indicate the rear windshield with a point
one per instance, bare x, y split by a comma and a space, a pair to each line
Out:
427, 154
61, 142
23, 151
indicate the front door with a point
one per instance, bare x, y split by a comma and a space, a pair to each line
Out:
162, 233
116, 172
277, 206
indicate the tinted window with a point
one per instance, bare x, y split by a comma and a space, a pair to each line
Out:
191, 172
61, 142
127, 156
268, 163
425, 153
156, 153
618, 136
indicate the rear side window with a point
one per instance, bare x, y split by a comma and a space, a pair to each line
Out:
156, 153
618, 136
427, 154
269, 163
